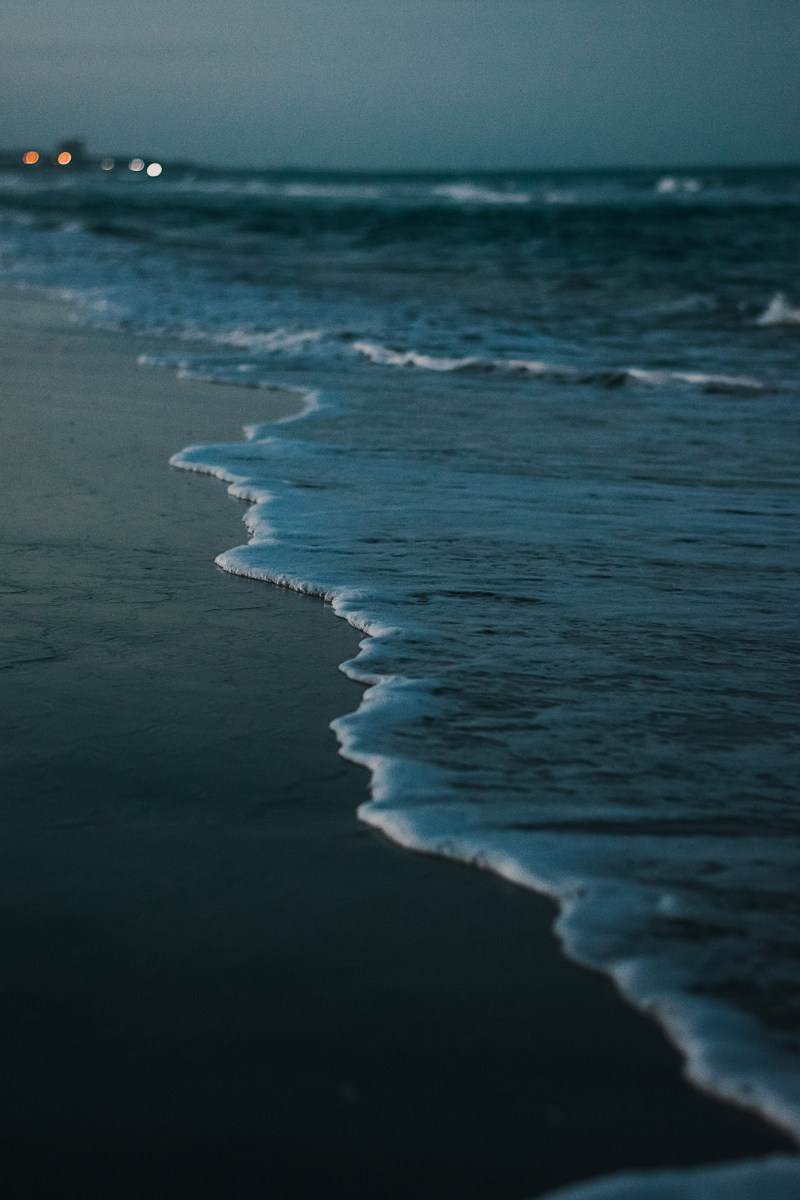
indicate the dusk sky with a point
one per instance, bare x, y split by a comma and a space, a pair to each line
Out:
404, 84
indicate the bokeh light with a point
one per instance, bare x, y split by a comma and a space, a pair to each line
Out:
154, 169
64, 158
107, 164
30, 157
136, 164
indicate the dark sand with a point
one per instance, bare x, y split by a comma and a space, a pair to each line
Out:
216, 982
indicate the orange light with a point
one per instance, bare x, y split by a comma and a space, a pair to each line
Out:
30, 157
64, 158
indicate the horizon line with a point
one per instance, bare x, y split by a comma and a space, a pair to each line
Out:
294, 168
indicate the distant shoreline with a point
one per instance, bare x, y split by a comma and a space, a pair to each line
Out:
12, 160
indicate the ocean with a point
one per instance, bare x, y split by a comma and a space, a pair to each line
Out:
547, 463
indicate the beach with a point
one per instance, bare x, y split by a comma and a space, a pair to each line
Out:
218, 982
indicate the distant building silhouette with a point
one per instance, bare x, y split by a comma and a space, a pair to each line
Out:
70, 153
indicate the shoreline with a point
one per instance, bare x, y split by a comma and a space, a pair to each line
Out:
223, 980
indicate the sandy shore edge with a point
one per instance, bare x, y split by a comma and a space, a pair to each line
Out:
221, 980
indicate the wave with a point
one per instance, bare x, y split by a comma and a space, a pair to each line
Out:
607, 918
330, 191
609, 377
779, 312
471, 193
727, 1052
672, 185
273, 341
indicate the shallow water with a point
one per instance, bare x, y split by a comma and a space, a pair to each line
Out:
549, 463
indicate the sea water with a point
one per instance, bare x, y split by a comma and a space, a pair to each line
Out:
547, 463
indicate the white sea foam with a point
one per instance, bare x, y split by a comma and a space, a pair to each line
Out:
386, 356
779, 312
471, 193
330, 191
304, 534
722, 383
671, 185
270, 341
727, 1053
558, 372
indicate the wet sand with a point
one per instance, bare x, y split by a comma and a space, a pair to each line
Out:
216, 982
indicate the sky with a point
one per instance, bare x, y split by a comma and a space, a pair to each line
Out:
407, 84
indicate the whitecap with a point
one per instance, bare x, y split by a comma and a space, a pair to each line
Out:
779, 312
385, 356
316, 191
559, 372
672, 185
706, 383
470, 193
270, 341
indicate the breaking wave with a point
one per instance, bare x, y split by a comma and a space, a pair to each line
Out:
558, 373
